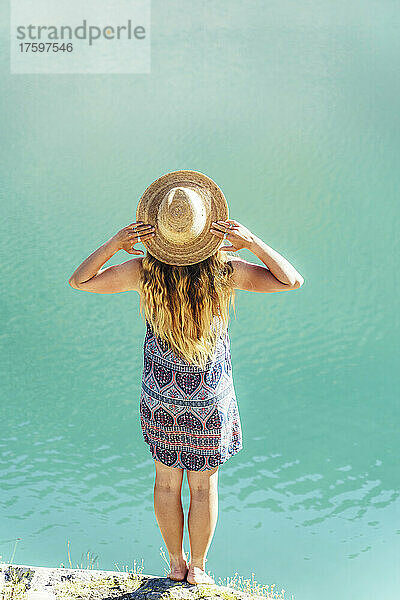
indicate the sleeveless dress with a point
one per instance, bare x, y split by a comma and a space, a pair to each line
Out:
189, 416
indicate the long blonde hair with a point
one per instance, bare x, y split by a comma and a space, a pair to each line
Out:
181, 303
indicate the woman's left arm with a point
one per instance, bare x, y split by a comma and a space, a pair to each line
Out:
90, 277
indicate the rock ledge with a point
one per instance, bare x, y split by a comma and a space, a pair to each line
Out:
23, 582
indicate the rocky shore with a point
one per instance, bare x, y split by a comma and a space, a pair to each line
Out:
23, 582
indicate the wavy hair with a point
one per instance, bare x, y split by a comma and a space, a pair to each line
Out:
181, 303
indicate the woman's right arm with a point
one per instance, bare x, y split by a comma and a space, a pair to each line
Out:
278, 275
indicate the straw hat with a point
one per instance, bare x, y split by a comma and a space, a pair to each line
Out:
182, 206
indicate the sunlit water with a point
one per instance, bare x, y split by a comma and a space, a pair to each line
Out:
293, 110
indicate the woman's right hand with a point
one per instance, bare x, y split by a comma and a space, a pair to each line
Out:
127, 237
238, 235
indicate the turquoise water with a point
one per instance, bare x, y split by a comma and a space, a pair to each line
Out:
293, 110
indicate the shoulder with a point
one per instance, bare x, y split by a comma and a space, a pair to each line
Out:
256, 278
114, 279
131, 271
239, 266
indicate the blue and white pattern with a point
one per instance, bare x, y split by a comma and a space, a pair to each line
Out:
189, 416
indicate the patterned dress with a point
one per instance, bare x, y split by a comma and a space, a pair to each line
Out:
189, 416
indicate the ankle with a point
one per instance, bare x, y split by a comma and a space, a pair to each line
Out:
180, 558
200, 563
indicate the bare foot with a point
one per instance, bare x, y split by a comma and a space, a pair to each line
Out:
198, 575
178, 571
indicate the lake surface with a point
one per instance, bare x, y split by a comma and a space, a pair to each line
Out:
293, 110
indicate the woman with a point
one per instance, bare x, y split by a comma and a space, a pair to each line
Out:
188, 409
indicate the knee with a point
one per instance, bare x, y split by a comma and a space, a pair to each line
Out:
202, 490
202, 494
167, 485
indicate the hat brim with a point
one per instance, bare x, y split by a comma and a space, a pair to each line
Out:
207, 243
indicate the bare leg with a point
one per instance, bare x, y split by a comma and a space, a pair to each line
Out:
169, 515
202, 519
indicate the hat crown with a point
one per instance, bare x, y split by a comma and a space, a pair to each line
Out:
182, 215
182, 205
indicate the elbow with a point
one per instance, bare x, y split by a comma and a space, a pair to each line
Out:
73, 283
298, 283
